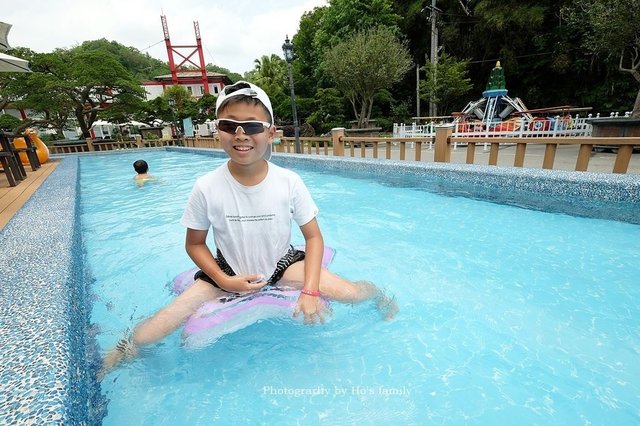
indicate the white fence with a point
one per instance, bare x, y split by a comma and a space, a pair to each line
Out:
567, 126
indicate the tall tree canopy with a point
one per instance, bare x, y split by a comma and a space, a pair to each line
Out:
611, 30
270, 73
364, 64
446, 83
579, 52
324, 27
141, 65
77, 81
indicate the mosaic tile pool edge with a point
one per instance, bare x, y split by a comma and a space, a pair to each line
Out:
597, 195
43, 317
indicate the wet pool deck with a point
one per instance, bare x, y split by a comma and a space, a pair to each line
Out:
13, 198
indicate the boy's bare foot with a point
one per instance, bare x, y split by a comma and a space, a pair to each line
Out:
125, 349
387, 305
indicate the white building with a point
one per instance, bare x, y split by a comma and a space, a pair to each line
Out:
191, 80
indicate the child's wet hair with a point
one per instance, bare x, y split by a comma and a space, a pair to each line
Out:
140, 166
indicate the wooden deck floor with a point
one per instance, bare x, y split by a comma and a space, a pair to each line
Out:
12, 198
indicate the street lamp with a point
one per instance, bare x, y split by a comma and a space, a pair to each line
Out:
172, 104
287, 48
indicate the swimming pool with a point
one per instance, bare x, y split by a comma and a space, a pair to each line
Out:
506, 313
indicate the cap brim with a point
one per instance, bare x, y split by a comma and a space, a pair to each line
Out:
267, 153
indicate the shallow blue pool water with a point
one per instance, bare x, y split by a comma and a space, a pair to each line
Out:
506, 314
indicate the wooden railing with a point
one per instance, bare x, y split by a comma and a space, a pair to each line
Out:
624, 145
443, 143
90, 145
311, 145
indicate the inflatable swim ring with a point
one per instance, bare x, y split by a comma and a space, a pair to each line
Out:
217, 318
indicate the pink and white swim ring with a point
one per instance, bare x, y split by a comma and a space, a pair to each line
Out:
216, 318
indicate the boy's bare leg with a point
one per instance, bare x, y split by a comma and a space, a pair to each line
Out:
337, 288
162, 323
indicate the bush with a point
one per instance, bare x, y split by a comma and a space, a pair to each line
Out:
385, 123
9, 122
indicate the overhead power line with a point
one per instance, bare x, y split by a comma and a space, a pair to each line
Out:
519, 56
154, 44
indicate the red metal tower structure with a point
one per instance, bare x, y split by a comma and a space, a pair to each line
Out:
171, 49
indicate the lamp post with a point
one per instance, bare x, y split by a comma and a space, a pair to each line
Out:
287, 48
172, 104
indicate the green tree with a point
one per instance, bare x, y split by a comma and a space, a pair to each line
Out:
9, 122
121, 112
364, 65
529, 38
344, 18
233, 76
308, 55
77, 81
141, 65
206, 108
49, 106
328, 110
323, 28
611, 30
270, 73
446, 83
184, 105
157, 109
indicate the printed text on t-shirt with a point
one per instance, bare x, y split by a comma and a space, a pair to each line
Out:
259, 218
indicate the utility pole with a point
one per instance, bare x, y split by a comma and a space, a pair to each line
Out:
287, 48
433, 18
418, 92
434, 52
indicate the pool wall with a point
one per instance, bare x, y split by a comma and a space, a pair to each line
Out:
598, 195
48, 358
44, 375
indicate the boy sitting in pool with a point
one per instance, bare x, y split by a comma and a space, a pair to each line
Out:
141, 167
249, 203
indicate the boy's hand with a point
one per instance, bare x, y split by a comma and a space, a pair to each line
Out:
243, 283
312, 308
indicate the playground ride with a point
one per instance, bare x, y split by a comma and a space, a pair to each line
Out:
41, 149
491, 112
497, 114
216, 318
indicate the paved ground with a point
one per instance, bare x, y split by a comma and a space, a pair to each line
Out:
565, 159
566, 156
13, 198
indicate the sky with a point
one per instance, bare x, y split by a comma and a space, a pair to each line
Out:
234, 32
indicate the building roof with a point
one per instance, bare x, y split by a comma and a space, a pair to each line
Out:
191, 74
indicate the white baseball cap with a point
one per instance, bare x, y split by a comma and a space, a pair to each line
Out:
244, 88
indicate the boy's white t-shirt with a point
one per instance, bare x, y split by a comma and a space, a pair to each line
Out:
251, 224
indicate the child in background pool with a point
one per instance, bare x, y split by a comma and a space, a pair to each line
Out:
249, 203
141, 167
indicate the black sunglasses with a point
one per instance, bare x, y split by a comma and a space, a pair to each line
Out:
250, 127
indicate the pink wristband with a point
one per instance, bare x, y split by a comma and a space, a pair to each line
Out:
310, 292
